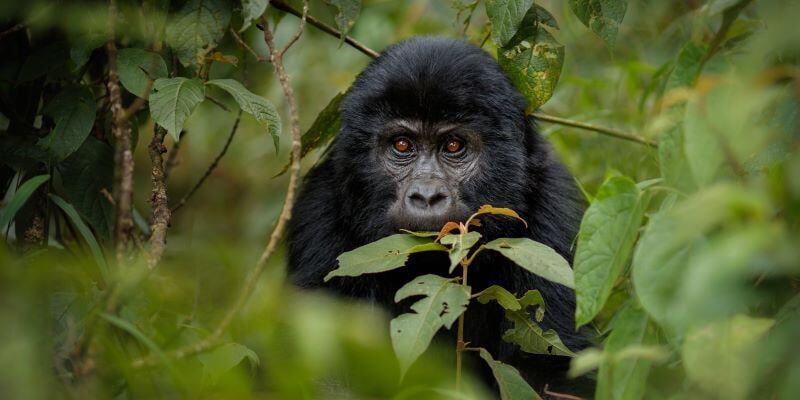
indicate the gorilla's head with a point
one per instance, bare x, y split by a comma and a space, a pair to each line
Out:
431, 130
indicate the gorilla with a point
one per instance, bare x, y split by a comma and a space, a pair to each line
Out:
431, 130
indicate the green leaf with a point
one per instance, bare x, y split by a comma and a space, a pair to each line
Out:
625, 377
603, 17
173, 100
533, 61
44, 61
719, 357
199, 25
347, 13
86, 233
511, 384
672, 159
444, 301
605, 242
141, 337
224, 358
260, 108
251, 11
73, 111
501, 296
137, 67
506, 17
84, 44
84, 175
536, 258
688, 66
20, 197
527, 333
459, 246
382, 255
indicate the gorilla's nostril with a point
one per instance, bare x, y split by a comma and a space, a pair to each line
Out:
436, 199
418, 200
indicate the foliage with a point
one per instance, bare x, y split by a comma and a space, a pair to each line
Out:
686, 264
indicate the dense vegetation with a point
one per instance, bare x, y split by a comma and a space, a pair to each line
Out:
146, 147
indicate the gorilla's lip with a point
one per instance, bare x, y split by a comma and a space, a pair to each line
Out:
424, 224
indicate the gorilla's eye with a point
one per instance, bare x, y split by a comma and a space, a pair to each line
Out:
402, 145
453, 146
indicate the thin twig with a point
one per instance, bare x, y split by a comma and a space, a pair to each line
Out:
159, 220
15, 28
249, 49
560, 395
123, 155
211, 167
297, 34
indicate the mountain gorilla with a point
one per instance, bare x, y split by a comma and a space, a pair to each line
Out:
432, 130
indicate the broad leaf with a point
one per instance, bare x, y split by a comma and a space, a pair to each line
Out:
444, 301
173, 100
20, 197
137, 67
324, 128
459, 246
251, 11
488, 209
347, 13
383, 255
73, 111
86, 233
84, 175
527, 333
501, 296
687, 67
224, 358
605, 242
535, 257
506, 17
200, 24
511, 384
257, 106
603, 17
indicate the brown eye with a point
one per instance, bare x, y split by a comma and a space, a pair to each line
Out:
402, 145
453, 146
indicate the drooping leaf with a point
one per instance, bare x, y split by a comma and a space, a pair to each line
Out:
323, 130
86, 233
198, 25
535, 257
501, 296
511, 384
447, 228
460, 245
84, 176
346, 15
544, 17
260, 108
20, 197
506, 17
251, 11
383, 255
173, 100
603, 17
488, 209
73, 112
605, 242
224, 358
444, 301
528, 334
137, 66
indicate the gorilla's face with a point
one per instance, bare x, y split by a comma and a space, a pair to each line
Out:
428, 164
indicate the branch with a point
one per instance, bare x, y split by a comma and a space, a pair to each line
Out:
211, 167
159, 220
123, 155
15, 28
374, 54
728, 17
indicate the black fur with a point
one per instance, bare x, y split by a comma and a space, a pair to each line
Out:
344, 201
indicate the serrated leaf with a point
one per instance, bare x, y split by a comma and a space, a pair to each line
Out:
605, 242
137, 67
224, 358
86, 233
346, 15
459, 246
506, 17
260, 108
198, 25
84, 175
20, 197
173, 100
73, 111
527, 333
444, 301
603, 17
501, 296
383, 255
533, 63
488, 209
252, 10
511, 384
536, 258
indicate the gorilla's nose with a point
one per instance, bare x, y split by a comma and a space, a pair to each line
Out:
428, 195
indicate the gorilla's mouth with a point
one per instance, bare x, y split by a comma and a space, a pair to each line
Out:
401, 218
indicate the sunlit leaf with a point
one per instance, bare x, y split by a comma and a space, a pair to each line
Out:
73, 112
136, 67
535, 257
257, 106
603, 17
488, 209
383, 255
459, 246
506, 17
444, 300
173, 100
198, 25
605, 242
511, 384
501, 296
21, 196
